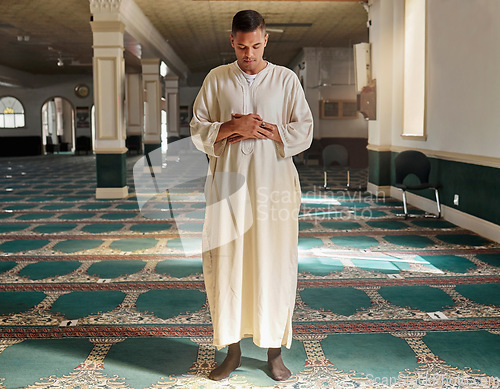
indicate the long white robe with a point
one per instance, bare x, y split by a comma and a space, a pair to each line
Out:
250, 235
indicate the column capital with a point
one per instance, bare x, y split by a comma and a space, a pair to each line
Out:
151, 61
107, 9
107, 34
172, 83
107, 26
151, 66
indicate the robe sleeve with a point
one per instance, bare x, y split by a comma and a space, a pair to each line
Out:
297, 133
205, 123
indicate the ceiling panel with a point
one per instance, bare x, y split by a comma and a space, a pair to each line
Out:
198, 30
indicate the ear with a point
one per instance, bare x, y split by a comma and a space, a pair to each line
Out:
265, 40
232, 39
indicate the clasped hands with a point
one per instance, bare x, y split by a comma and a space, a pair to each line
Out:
250, 126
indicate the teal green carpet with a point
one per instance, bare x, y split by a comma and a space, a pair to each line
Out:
103, 294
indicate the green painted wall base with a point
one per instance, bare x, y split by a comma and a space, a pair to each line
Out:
477, 186
379, 171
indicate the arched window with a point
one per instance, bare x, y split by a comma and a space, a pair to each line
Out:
11, 112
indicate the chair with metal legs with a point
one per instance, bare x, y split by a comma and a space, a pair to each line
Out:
335, 154
414, 162
313, 152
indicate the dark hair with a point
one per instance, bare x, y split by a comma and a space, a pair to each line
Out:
248, 21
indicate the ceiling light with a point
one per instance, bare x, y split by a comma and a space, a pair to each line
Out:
163, 69
60, 62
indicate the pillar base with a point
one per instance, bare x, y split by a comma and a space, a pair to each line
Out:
111, 193
111, 176
154, 169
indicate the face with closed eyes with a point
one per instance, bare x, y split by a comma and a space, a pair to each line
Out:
249, 50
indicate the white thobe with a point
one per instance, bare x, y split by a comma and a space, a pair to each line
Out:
250, 235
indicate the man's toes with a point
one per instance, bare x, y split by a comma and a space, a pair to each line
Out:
224, 370
217, 375
282, 375
279, 371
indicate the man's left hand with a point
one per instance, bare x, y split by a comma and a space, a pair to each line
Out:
272, 133
275, 135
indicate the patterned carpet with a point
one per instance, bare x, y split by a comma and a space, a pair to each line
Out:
102, 294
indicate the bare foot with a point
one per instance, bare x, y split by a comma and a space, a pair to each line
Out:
278, 369
231, 363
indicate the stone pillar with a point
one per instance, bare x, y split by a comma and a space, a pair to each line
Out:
109, 96
135, 105
172, 99
382, 34
152, 110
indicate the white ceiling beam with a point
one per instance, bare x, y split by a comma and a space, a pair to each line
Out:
153, 44
14, 78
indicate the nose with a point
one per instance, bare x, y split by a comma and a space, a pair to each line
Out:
248, 52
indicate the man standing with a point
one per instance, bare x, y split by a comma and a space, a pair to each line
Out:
250, 118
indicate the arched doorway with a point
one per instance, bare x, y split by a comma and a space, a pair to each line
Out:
58, 125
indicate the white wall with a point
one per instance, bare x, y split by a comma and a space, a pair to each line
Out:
462, 76
330, 76
187, 95
381, 39
325, 65
46, 88
463, 86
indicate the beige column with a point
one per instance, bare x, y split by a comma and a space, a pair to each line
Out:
172, 100
109, 96
135, 109
151, 81
135, 104
383, 31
